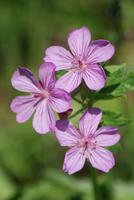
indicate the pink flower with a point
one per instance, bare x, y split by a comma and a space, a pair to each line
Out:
43, 96
87, 142
81, 62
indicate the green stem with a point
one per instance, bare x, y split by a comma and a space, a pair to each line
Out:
74, 98
76, 113
95, 184
90, 103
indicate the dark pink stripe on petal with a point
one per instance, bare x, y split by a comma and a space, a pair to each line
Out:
60, 100
69, 81
101, 158
107, 136
106, 130
24, 106
47, 76
24, 80
107, 139
99, 51
66, 133
89, 121
59, 56
74, 160
94, 77
78, 41
44, 119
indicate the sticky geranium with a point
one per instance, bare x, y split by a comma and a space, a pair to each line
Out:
82, 62
87, 142
43, 96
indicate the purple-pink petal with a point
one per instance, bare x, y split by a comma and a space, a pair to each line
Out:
59, 56
24, 106
106, 130
94, 77
69, 81
24, 81
74, 160
47, 76
60, 100
44, 119
66, 133
89, 121
101, 158
78, 41
107, 136
99, 51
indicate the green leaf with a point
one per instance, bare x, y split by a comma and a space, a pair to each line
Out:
107, 96
111, 114
117, 83
114, 119
126, 85
115, 148
104, 96
116, 70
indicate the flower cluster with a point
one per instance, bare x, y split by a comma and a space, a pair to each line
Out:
47, 94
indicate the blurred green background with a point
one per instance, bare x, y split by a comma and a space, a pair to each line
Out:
30, 163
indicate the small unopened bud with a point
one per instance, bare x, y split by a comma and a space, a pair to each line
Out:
65, 115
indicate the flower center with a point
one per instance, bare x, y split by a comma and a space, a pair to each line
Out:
43, 95
80, 64
84, 143
88, 143
78, 61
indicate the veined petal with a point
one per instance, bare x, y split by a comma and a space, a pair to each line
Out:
74, 160
44, 119
101, 158
99, 51
60, 100
46, 75
24, 106
89, 121
24, 81
69, 81
59, 56
66, 133
94, 77
78, 41
107, 136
